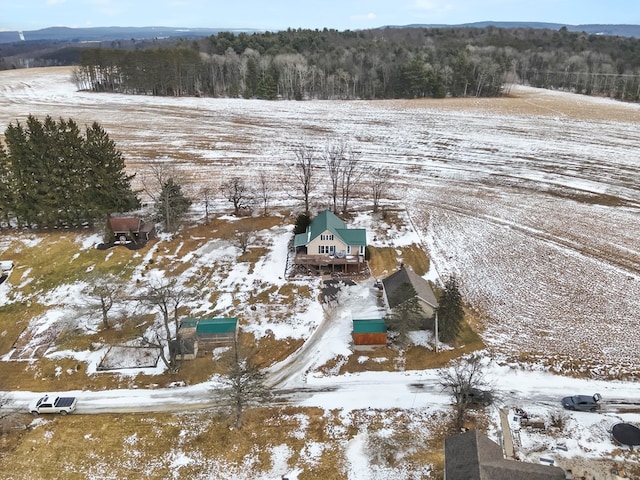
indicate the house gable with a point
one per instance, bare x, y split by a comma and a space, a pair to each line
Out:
393, 289
327, 224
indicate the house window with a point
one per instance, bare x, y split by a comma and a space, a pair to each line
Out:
326, 236
326, 249
361, 249
348, 249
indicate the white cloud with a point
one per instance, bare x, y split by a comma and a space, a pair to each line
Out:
433, 5
367, 16
55, 2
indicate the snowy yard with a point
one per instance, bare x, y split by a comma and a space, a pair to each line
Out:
531, 202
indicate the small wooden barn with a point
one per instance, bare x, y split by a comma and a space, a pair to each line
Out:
209, 333
369, 332
130, 229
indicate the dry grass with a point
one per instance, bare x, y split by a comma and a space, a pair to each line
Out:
57, 260
268, 350
145, 446
385, 260
14, 318
378, 359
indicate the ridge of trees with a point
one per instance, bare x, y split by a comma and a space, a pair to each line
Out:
379, 63
52, 176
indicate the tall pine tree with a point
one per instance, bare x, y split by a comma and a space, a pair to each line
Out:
450, 311
52, 176
407, 315
6, 193
109, 187
172, 205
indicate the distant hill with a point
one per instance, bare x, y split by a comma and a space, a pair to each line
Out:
593, 29
105, 34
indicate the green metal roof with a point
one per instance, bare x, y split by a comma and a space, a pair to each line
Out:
211, 325
301, 239
353, 236
326, 220
375, 325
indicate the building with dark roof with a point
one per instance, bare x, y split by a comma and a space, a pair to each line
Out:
473, 456
405, 284
130, 229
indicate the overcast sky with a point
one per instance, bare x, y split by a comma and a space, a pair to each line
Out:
282, 14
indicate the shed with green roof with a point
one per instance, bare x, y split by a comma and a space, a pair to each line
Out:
369, 331
209, 333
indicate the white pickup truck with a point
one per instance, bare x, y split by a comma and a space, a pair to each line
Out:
53, 404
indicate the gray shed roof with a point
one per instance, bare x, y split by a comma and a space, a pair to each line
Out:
419, 284
473, 456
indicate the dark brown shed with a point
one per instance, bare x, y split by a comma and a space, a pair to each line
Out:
131, 229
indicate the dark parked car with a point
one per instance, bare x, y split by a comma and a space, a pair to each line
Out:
582, 403
477, 398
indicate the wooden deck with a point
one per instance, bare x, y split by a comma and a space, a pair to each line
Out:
321, 260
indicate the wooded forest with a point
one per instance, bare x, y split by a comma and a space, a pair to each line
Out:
370, 64
52, 176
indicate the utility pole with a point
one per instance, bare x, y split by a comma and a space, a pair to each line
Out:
437, 346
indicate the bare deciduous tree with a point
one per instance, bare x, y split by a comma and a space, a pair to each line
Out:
241, 239
407, 315
244, 385
237, 192
264, 190
206, 193
104, 291
167, 296
333, 158
464, 377
303, 172
350, 177
380, 177
9, 418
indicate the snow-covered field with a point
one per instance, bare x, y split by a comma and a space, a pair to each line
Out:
531, 201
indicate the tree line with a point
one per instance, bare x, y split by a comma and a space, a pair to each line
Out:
54, 176
370, 64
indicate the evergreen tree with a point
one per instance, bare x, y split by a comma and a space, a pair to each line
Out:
6, 194
172, 205
24, 149
450, 311
52, 176
302, 222
109, 187
407, 314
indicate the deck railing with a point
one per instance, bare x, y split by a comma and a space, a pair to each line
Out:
306, 259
